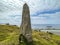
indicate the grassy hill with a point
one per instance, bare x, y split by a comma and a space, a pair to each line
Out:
9, 35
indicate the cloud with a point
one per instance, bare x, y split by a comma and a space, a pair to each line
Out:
46, 18
35, 5
42, 11
43, 5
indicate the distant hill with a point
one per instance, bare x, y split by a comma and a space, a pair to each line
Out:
9, 35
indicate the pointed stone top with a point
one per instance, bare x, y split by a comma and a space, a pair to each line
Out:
25, 4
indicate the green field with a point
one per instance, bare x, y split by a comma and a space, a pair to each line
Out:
9, 35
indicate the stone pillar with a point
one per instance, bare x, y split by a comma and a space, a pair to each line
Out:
25, 28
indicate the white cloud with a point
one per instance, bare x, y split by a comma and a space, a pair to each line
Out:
11, 11
46, 18
35, 5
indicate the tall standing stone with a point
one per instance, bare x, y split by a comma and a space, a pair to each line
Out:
25, 28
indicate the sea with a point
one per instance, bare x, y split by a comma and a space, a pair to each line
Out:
45, 26
57, 32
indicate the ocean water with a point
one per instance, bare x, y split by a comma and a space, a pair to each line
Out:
57, 32
44, 26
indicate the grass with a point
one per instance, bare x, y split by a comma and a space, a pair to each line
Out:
9, 35
42, 38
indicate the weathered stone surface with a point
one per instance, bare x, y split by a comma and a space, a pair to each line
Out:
25, 28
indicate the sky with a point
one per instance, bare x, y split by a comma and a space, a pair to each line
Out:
41, 11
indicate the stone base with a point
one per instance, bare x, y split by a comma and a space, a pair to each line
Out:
23, 39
